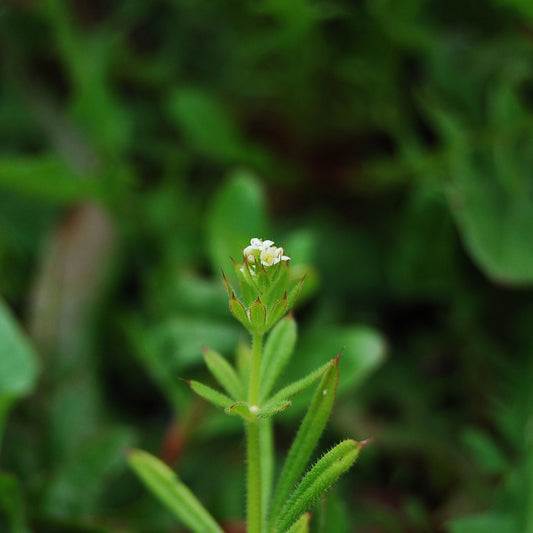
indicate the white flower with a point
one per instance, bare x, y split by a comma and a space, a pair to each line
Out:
264, 251
272, 255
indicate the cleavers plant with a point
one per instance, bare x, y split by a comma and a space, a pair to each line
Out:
266, 294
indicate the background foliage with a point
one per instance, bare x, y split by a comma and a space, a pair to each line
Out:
386, 143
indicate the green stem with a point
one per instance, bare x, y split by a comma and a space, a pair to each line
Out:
254, 504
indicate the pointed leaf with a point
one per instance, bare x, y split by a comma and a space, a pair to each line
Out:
211, 395
272, 408
307, 437
225, 374
278, 350
170, 490
317, 481
299, 386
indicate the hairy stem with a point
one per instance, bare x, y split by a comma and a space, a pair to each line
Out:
254, 503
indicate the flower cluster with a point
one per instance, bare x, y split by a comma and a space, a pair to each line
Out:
265, 252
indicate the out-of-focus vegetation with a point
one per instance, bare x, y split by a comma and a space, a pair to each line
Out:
387, 143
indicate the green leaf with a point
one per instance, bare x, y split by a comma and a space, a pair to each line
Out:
170, 490
277, 352
11, 502
272, 408
302, 384
307, 437
18, 363
225, 374
317, 481
363, 351
47, 178
238, 213
485, 523
88, 466
206, 124
211, 395
301, 525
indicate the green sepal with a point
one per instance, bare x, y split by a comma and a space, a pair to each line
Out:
211, 395
278, 310
307, 437
172, 492
239, 311
279, 347
240, 409
225, 374
317, 481
258, 316
272, 408
229, 288
301, 525
294, 292
297, 387
279, 280
262, 280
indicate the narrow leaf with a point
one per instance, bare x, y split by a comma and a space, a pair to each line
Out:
317, 481
170, 490
307, 437
296, 387
272, 408
302, 525
225, 374
211, 395
278, 350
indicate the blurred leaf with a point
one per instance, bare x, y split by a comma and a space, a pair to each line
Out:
237, 214
363, 350
486, 452
207, 125
487, 523
18, 363
76, 486
11, 502
46, 178
166, 485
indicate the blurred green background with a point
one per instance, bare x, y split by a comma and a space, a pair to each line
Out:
387, 144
